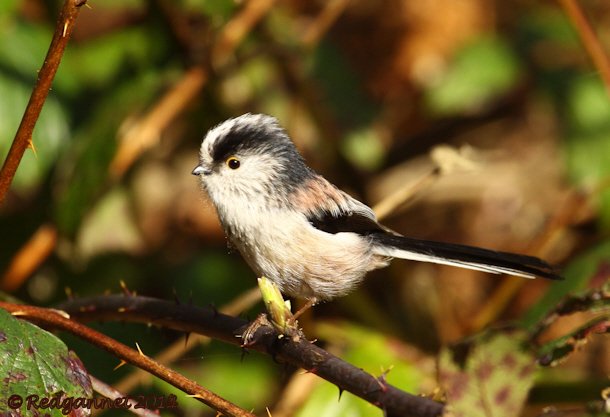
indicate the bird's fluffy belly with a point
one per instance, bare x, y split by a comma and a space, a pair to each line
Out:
307, 263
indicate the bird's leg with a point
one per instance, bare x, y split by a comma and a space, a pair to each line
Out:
309, 303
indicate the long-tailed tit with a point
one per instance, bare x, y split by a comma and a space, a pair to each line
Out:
311, 239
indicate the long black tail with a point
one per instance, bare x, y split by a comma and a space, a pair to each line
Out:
462, 256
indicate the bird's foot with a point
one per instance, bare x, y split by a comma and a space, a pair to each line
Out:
248, 337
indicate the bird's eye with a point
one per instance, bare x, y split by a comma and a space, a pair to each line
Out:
233, 162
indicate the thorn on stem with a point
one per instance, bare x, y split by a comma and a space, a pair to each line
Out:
126, 290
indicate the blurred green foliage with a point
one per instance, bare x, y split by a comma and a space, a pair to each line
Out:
480, 71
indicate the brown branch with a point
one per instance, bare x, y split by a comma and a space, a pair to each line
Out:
29, 258
323, 22
147, 131
53, 318
589, 39
180, 347
234, 32
23, 137
300, 353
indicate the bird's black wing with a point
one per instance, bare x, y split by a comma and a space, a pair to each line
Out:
353, 221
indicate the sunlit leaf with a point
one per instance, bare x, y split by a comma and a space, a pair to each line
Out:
247, 381
325, 401
364, 149
7, 7
587, 143
481, 71
24, 48
109, 227
35, 362
100, 61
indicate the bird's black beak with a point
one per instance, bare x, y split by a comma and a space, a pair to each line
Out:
199, 170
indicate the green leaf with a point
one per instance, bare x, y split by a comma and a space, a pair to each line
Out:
364, 149
250, 381
493, 372
98, 63
326, 401
8, 7
33, 362
24, 48
587, 147
481, 71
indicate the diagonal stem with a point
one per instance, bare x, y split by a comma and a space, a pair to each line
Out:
23, 137
55, 319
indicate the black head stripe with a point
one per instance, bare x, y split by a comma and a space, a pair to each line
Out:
255, 133
262, 135
237, 139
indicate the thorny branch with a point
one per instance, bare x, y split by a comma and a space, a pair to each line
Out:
589, 39
23, 137
56, 320
300, 353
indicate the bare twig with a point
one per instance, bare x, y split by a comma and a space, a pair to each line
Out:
56, 320
297, 352
23, 137
295, 394
401, 195
237, 29
589, 39
147, 131
330, 13
29, 257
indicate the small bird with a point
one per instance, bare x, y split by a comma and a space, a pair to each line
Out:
312, 240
